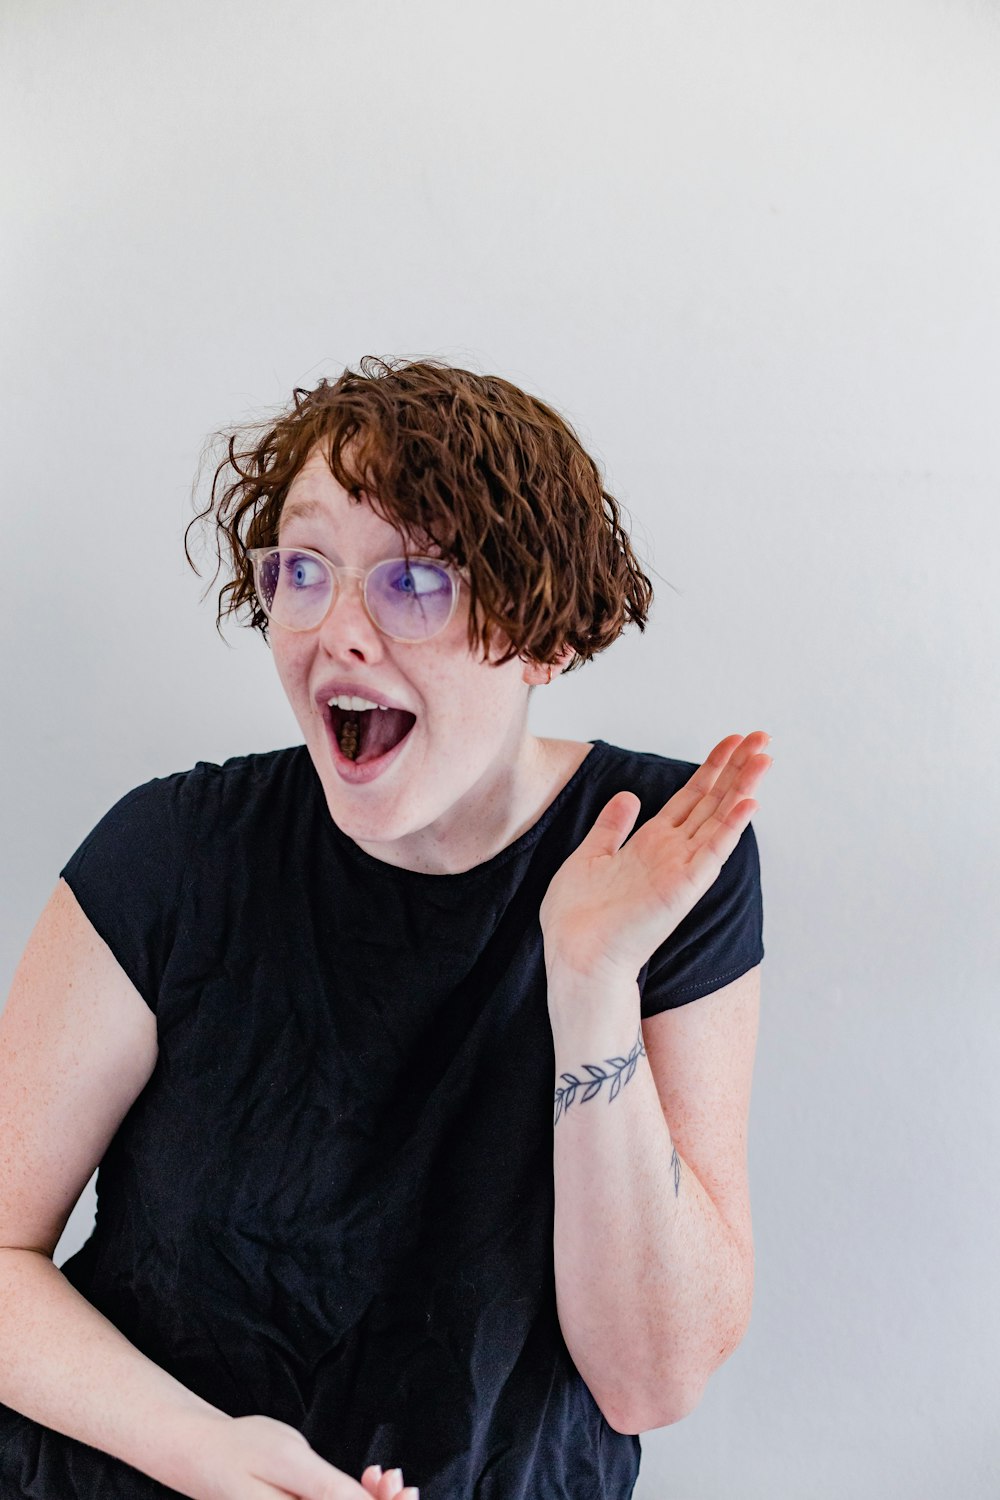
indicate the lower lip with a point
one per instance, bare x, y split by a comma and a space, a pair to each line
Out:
357, 775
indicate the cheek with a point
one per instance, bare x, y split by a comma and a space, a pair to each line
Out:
292, 668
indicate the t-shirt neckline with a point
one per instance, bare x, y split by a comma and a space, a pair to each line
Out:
476, 872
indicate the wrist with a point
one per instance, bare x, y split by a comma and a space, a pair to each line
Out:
578, 999
570, 976
184, 1438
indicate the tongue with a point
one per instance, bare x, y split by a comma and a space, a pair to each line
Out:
381, 729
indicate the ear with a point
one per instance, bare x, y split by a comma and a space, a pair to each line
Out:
535, 674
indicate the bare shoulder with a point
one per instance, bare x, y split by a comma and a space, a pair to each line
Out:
566, 757
78, 1043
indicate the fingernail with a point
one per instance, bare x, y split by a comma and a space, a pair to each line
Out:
378, 1469
395, 1475
410, 1493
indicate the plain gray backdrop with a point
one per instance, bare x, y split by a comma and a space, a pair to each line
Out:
751, 252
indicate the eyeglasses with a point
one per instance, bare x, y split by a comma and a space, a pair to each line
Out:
408, 599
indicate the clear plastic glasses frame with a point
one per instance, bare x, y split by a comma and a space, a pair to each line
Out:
337, 571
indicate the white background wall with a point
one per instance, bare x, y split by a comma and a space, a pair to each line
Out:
752, 253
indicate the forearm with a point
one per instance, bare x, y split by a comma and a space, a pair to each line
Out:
63, 1364
652, 1291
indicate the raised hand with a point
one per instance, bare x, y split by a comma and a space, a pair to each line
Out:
611, 904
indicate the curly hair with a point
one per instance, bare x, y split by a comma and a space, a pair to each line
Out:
496, 478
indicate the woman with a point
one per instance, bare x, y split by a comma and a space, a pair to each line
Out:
307, 1008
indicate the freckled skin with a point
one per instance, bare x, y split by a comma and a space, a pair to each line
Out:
473, 777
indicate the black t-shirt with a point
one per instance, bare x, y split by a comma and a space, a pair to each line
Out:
332, 1203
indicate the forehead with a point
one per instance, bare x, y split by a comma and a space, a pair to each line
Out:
315, 498
314, 492
317, 503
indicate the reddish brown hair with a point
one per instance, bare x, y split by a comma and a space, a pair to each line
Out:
493, 476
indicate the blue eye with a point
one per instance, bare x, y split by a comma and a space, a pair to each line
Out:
420, 579
302, 572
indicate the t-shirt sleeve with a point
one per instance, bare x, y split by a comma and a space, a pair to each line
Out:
128, 874
720, 938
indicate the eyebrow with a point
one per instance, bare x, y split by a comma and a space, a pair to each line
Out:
297, 509
305, 510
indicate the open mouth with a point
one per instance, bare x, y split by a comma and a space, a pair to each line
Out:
365, 734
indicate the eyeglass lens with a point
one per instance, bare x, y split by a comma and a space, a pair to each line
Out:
410, 600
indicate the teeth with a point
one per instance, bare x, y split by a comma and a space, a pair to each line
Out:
346, 700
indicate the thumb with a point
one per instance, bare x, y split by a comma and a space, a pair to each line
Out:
614, 823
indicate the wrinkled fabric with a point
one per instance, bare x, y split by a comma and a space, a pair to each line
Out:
333, 1201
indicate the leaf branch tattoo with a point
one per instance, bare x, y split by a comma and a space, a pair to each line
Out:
622, 1070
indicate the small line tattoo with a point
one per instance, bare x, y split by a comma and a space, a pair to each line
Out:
675, 1162
619, 1065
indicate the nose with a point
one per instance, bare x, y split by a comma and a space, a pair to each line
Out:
348, 627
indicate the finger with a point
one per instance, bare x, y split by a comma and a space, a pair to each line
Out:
747, 777
262, 1491
717, 842
305, 1475
732, 770
371, 1477
726, 826
734, 811
392, 1483
703, 782
613, 824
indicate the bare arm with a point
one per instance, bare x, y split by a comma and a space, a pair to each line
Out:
62, 1363
77, 1046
